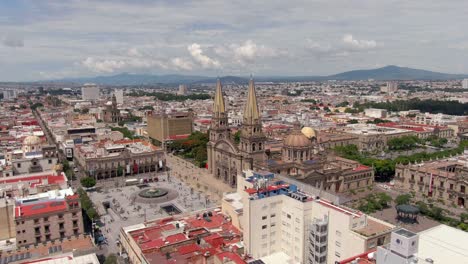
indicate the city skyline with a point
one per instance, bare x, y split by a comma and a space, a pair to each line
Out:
56, 39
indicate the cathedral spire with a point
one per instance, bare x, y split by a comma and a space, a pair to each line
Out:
218, 106
251, 113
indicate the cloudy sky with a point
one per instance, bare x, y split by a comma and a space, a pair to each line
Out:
49, 39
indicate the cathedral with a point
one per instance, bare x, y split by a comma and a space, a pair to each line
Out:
226, 158
301, 158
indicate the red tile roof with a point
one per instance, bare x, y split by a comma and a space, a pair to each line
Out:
37, 180
25, 210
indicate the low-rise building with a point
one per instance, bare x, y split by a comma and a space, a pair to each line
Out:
107, 159
199, 237
444, 179
50, 216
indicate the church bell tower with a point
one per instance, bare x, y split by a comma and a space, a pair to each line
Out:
252, 140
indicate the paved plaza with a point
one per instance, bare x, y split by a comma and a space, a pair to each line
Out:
127, 208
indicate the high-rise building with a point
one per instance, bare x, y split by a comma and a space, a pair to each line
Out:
182, 89
465, 84
166, 127
276, 216
9, 95
90, 91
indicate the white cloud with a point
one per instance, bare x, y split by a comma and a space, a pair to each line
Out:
353, 43
134, 52
182, 64
103, 66
205, 61
249, 50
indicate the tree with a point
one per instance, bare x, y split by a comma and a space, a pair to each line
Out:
92, 214
111, 259
237, 137
65, 165
352, 121
88, 182
120, 171
403, 199
383, 199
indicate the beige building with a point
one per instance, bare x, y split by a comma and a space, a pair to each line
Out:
445, 179
277, 217
373, 138
164, 127
119, 158
7, 216
48, 216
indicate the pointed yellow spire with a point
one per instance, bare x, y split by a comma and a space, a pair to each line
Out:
218, 106
251, 114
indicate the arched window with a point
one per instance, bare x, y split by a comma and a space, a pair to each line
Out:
259, 146
253, 147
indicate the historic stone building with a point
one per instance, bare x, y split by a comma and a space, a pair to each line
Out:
443, 180
300, 158
111, 114
226, 158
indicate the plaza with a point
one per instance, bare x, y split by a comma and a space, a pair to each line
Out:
126, 207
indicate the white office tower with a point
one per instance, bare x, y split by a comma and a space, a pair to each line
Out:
182, 89
402, 249
465, 84
9, 95
90, 91
119, 96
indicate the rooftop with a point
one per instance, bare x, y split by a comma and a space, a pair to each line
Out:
187, 237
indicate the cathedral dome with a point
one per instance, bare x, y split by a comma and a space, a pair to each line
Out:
32, 140
297, 140
308, 132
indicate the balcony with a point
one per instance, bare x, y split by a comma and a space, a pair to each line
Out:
412, 181
37, 233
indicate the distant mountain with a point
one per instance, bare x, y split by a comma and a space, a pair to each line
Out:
394, 73
385, 73
138, 79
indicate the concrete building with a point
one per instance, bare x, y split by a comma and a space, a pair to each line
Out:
440, 244
465, 84
391, 87
277, 217
375, 113
7, 226
119, 95
50, 216
443, 179
182, 89
9, 95
167, 127
90, 92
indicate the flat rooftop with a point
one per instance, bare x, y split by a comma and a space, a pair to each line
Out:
443, 244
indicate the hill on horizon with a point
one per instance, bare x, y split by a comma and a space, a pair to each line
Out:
387, 73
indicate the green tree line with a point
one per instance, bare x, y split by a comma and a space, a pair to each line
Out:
430, 106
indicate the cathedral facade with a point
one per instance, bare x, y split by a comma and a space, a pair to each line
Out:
226, 158
301, 158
